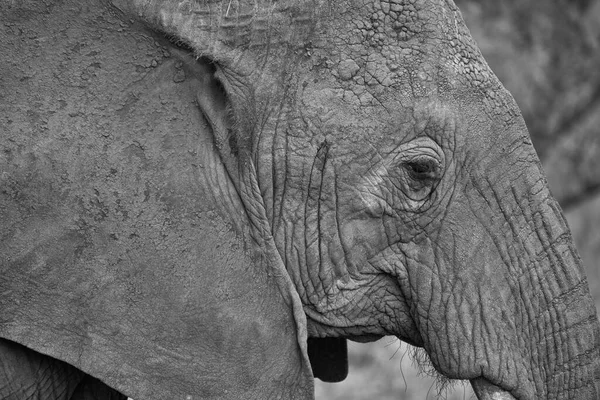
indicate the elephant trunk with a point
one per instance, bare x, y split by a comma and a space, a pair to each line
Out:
561, 322
540, 333
565, 346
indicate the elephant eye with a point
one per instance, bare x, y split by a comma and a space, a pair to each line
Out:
414, 175
422, 168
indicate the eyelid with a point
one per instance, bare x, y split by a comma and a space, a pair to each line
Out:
407, 151
416, 152
420, 157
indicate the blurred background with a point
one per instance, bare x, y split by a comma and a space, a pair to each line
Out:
547, 54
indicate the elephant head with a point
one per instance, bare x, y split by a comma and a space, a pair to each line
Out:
380, 178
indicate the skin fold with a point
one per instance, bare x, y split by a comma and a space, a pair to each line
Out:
191, 190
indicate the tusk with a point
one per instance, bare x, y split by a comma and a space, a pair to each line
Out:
488, 391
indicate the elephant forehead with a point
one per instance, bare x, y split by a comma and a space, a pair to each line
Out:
386, 43
381, 23
371, 40
335, 115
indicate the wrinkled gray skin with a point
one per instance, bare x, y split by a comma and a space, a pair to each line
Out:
176, 227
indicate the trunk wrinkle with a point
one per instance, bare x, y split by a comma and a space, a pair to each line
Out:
553, 326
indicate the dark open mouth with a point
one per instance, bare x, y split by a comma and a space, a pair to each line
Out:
328, 358
329, 361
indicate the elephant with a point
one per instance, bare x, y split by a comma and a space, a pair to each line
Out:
207, 199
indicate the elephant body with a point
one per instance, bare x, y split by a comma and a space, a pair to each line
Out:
190, 190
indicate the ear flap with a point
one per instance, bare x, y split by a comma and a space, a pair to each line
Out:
185, 311
328, 358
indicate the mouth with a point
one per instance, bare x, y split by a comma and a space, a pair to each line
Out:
329, 360
484, 390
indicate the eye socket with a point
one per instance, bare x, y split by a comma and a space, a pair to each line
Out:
407, 180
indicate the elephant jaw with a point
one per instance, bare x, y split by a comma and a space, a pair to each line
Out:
488, 391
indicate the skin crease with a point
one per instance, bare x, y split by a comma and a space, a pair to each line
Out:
388, 175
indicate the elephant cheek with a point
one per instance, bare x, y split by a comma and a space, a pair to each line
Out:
361, 240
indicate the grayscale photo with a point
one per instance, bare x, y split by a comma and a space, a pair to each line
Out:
299, 199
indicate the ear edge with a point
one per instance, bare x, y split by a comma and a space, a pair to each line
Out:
215, 106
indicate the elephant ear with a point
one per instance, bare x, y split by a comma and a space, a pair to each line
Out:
133, 259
